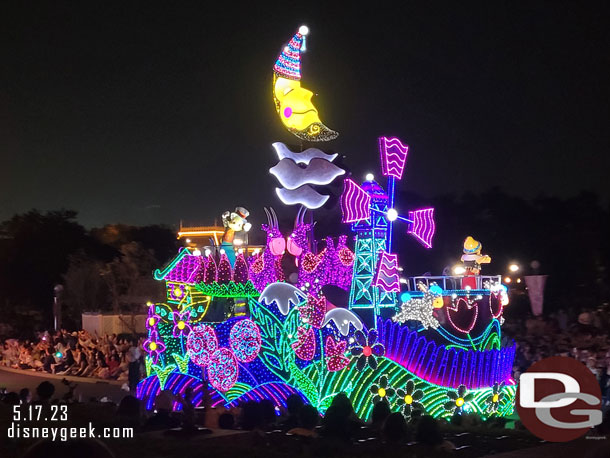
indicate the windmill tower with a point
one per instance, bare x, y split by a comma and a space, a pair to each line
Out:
372, 212
371, 239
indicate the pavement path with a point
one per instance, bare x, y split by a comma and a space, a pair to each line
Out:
15, 379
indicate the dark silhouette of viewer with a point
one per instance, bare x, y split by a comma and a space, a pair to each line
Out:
308, 420
380, 412
129, 411
294, 402
226, 421
251, 416
45, 392
268, 416
12, 399
340, 421
395, 428
74, 448
25, 396
429, 433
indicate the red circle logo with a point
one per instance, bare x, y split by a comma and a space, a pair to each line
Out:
559, 399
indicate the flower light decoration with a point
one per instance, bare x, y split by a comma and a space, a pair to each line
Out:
152, 320
313, 311
463, 313
245, 340
408, 398
223, 369
293, 102
498, 298
305, 346
201, 343
494, 399
367, 349
381, 391
181, 323
335, 354
458, 399
154, 346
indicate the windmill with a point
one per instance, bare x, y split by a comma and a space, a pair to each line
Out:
372, 213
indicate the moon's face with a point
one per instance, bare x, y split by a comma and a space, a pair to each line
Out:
295, 108
297, 112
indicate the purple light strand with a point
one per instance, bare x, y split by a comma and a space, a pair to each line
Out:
442, 366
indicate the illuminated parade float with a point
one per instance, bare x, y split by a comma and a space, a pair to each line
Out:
342, 319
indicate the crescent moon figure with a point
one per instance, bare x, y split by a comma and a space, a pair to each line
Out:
293, 102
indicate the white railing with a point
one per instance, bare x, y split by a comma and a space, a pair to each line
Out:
450, 282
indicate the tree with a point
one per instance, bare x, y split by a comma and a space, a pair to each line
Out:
34, 253
129, 280
85, 288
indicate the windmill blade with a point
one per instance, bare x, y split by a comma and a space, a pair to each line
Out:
387, 278
355, 202
393, 156
422, 225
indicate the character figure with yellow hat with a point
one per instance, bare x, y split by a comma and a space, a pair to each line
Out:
472, 260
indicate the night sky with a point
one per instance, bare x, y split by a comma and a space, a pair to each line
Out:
143, 114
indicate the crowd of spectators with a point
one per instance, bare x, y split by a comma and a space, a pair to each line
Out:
78, 354
583, 335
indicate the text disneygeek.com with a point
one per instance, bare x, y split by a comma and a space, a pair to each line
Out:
17, 431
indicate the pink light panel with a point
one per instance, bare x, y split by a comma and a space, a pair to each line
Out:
393, 156
355, 202
186, 270
386, 277
422, 226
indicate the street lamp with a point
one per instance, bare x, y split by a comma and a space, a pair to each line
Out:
513, 267
57, 306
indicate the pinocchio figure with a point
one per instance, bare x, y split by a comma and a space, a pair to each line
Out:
472, 260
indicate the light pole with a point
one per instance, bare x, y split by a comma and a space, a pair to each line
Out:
57, 290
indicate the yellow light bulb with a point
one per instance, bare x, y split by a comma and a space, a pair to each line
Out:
495, 398
408, 399
181, 325
459, 402
151, 321
381, 392
152, 346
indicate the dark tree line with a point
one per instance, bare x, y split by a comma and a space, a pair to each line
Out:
108, 268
